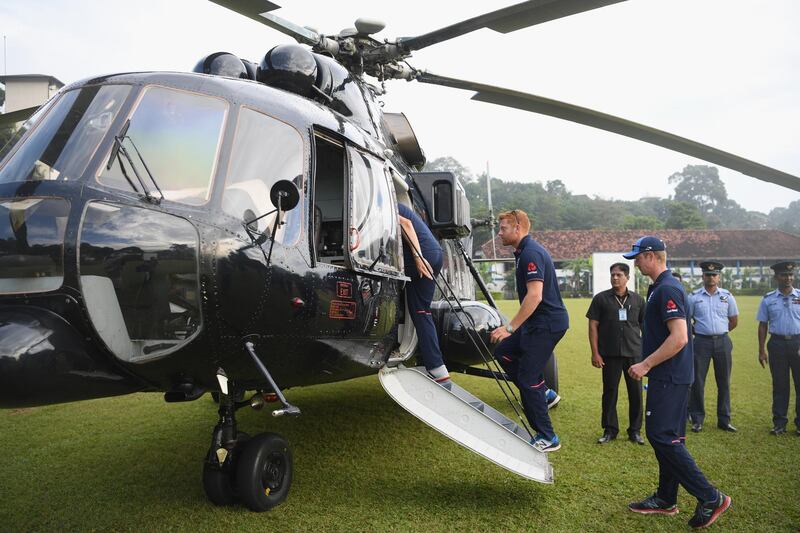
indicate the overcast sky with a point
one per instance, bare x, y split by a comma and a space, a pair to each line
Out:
721, 72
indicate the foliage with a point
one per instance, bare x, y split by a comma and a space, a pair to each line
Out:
786, 218
580, 268
700, 201
684, 215
642, 222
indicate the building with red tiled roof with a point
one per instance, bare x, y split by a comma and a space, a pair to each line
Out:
751, 247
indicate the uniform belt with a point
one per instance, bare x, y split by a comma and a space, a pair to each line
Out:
785, 337
711, 336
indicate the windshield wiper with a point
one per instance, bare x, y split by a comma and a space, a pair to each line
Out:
119, 150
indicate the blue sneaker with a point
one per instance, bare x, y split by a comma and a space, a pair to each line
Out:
547, 446
552, 398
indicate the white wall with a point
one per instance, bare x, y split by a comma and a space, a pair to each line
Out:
601, 263
27, 92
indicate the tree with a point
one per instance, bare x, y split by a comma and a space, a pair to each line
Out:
786, 218
578, 267
450, 164
641, 222
683, 215
701, 186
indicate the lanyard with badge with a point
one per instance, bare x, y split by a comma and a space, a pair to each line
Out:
623, 311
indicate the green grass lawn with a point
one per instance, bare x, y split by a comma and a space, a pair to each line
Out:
362, 463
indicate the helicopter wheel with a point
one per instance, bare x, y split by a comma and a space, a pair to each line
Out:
219, 482
264, 472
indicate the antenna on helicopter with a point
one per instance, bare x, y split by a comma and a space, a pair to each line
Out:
491, 208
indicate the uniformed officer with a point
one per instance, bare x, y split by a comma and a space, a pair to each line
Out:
527, 342
780, 313
667, 361
715, 313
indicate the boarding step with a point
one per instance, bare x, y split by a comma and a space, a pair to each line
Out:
466, 419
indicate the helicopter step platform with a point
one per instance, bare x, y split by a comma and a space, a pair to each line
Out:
466, 419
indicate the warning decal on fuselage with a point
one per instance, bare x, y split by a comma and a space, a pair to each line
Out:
344, 289
342, 310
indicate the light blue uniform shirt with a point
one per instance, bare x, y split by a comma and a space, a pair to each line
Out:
711, 311
782, 312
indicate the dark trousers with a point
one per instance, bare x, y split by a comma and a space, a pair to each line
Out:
719, 351
419, 294
665, 427
783, 358
523, 356
612, 368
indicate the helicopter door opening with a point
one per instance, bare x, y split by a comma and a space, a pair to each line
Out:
328, 217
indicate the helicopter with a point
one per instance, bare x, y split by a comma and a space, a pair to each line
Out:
234, 229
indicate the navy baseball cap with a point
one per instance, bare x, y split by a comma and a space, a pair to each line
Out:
645, 244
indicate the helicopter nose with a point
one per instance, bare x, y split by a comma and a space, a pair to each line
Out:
44, 360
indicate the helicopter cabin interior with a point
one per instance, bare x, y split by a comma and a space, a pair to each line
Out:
328, 221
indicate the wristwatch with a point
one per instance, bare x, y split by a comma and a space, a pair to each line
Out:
509, 328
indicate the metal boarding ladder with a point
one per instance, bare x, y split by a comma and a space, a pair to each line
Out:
467, 420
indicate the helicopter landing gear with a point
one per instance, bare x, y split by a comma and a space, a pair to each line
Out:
256, 471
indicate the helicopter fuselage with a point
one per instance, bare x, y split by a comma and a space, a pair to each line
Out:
109, 289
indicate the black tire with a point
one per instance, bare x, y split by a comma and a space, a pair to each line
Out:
551, 373
264, 472
219, 483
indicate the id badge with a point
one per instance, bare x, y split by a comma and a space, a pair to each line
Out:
623, 315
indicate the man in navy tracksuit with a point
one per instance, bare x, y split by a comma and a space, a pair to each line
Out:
423, 260
668, 361
527, 342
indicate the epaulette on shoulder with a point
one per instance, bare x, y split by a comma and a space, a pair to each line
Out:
770, 293
697, 291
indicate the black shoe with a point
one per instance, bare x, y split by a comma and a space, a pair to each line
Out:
697, 427
653, 505
707, 513
606, 438
727, 427
777, 430
636, 437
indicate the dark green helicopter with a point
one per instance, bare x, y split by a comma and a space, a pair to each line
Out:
235, 229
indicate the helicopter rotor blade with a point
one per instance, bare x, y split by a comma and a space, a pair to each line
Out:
13, 117
259, 10
620, 126
506, 20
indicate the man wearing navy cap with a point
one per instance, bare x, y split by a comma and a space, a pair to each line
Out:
779, 313
527, 342
715, 313
667, 361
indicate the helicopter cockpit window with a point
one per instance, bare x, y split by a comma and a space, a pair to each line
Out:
65, 139
32, 244
178, 135
139, 279
264, 151
373, 231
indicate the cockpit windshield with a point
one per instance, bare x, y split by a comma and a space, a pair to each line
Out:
178, 135
67, 136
